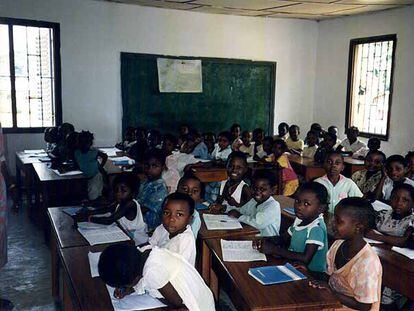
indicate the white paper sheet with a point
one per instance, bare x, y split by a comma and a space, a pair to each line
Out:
404, 251
39, 155
34, 151
93, 263
134, 301
380, 206
371, 241
221, 222
240, 251
70, 173
101, 234
111, 152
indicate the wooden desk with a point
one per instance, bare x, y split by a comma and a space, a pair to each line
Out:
248, 294
209, 172
306, 167
65, 189
204, 252
397, 270
352, 166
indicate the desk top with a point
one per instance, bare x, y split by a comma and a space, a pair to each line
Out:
62, 225
249, 294
390, 257
308, 162
246, 231
27, 158
45, 173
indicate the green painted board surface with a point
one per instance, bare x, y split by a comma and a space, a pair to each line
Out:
233, 91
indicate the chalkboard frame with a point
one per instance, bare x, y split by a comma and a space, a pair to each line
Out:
270, 64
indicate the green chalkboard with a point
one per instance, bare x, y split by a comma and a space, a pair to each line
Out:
239, 91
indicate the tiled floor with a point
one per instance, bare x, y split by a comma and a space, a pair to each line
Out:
25, 279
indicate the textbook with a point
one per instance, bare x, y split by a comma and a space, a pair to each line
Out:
276, 274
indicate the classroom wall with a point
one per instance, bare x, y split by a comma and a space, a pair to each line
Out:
93, 34
332, 71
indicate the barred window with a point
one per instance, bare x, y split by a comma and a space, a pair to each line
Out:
30, 86
370, 77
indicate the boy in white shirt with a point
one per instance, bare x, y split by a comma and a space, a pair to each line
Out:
262, 211
160, 273
337, 185
351, 144
222, 149
175, 232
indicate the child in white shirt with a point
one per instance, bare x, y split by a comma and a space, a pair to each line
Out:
262, 211
222, 149
160, 273
312, 140
175, 232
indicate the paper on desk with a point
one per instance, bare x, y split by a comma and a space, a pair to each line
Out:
134, 301
124, 160
70, 173
371, 241
250, 160
39, 155
102, 234
34, 151
240, 251
380, 206
404, 251
111, 152
93, 263
221, 222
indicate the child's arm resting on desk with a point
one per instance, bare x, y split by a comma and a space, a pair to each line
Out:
400, 241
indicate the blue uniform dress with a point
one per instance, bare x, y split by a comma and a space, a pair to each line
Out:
151, 195
201, 151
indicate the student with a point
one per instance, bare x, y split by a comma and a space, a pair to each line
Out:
396, 228
312, 145
368, 179
236, 141
129, 139
222, 149
154, 139
160, 273
195, 146
51, 138
354, 269
409, 157
175, 232
294, 144
138, 150
266, 149
184, 129
87, 159
153, 191
289, 178
258, 137
396, 168
282, 131
209, 139
337, 185
192, 186
326, 146
262, 211
248, 146
169, 144
62, 151
307, 237
234, 192
333, 129
374, 144
125, 210
351, 144
316, 127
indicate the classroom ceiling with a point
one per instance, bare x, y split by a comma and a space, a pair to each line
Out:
305, 9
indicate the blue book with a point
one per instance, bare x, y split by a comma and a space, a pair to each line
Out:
290, 210
276, 274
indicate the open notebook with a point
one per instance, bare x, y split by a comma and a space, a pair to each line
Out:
269, 275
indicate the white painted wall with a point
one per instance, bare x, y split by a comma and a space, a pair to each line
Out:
94, 33
332, 71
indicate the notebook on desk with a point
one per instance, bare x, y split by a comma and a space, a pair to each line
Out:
290, 210
269, 275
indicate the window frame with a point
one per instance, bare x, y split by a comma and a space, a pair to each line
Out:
57, 72
352, 47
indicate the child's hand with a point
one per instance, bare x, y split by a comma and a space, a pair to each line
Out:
267, 247
234, 213
215, 208
120, 293
231, 201
318, 284
300, 266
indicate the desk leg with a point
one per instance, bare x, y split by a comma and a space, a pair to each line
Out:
205, 263
55, 266
67, 300
214, 285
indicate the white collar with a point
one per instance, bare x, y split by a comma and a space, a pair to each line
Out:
309, 226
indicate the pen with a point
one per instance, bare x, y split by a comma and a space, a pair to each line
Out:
223, 220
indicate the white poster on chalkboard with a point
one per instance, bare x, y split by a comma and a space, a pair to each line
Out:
179, 75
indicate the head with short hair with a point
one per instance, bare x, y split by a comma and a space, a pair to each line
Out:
352, 133
374, 160
263, 185
334, 163
311, 200
153, 138
258, 136
374, 143
191, 185
121, 265
268, 144
246, 138
402, 199
169, 143
154, 164
282, 129
125, 186
51, 135
235, 130
279, 147
64, 130
224, 139
312, 138
237, 165
333, 129
178, 210
396, 167
360, 214
294, 132
85, 140
130, 134
329, 140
